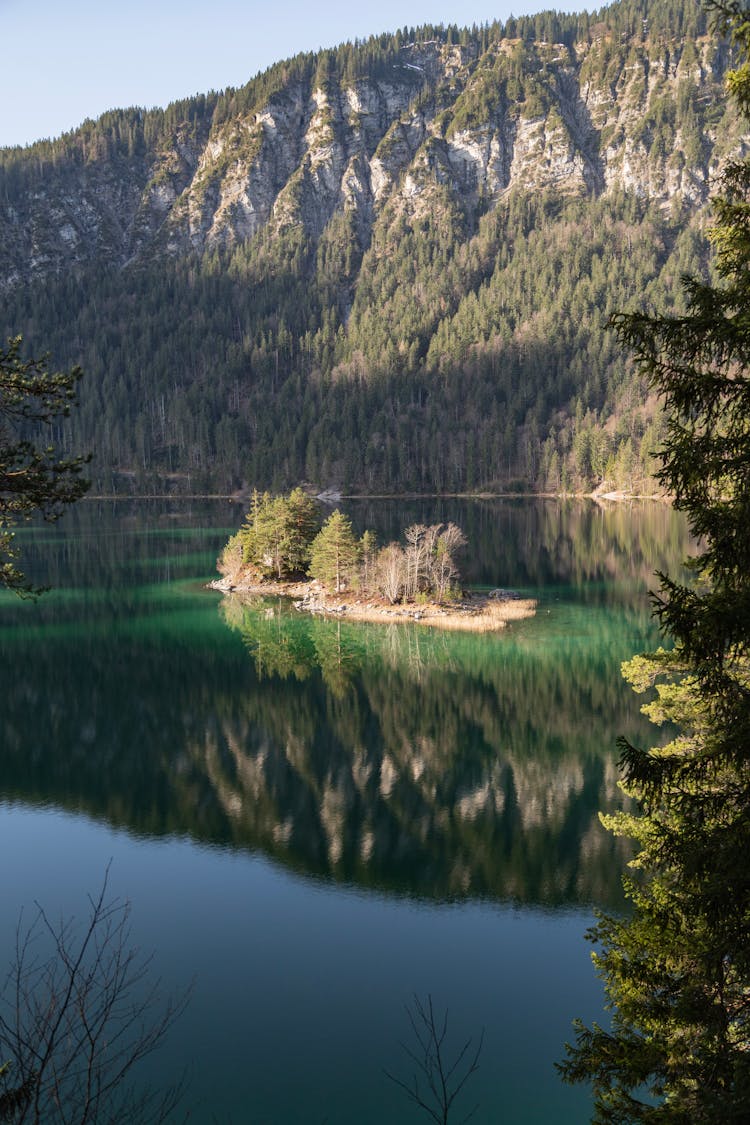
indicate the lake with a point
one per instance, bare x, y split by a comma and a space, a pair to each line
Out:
316, 820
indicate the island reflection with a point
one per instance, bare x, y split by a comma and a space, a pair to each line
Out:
445, 766
442, 766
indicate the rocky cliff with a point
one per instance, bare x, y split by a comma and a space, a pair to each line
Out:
604, 112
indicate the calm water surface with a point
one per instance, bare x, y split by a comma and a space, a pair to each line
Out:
314, 820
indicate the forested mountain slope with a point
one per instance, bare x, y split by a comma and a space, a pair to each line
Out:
385, 266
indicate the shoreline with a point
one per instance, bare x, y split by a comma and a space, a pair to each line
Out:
613, 497
474, 613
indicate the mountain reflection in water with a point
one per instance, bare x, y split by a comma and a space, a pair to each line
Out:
442, 766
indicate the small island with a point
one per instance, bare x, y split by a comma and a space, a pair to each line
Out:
284, 549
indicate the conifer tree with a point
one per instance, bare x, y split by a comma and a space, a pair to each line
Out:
301, 526
368, 546
677, 972
335, 552
277, 533
34, 479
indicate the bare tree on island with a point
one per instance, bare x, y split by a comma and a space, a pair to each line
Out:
78, 1014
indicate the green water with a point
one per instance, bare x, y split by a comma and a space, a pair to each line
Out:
315, 819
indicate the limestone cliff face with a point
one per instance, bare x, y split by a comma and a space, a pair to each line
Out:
580, 119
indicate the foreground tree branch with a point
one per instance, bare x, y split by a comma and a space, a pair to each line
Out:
77, 1015
436, 1080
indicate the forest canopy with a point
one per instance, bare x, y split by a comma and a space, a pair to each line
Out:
34, 479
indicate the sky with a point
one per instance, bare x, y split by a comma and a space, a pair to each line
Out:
64, 62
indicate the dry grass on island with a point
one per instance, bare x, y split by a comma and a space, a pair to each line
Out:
282, 549
472, 612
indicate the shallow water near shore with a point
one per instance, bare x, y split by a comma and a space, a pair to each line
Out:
316, 819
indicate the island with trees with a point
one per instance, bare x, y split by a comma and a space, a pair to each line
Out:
285, 548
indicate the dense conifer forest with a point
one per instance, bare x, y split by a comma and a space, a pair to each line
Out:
446, 332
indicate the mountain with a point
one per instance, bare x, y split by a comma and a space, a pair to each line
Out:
386, 266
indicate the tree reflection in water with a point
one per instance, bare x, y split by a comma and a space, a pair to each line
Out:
443, 766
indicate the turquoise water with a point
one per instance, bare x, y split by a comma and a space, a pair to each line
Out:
314, 820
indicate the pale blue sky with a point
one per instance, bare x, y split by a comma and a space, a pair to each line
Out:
63, 62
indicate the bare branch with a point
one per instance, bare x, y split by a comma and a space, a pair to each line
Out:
77, 1015
435, 1082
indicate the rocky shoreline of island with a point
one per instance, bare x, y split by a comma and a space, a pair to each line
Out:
473, 611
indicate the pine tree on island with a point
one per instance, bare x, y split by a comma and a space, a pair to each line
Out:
335, 553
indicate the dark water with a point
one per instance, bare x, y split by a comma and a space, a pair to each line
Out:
317, 819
